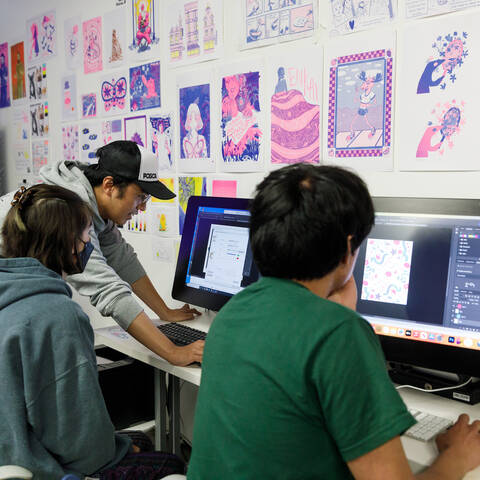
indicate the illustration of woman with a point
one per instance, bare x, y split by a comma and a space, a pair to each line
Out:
367, 98
194, 144
446, 129
452, 56
239, 117
161, 146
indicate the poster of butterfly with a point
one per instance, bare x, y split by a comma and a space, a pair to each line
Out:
113, 93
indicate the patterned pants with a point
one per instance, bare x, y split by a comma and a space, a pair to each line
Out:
145, 465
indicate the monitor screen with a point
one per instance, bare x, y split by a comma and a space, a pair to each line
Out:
215, 260
418, 281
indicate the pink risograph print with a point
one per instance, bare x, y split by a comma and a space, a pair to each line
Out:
295, 109
92, 45
386, 275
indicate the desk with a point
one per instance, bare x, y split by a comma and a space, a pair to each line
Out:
419, 453
423, 453
116, 338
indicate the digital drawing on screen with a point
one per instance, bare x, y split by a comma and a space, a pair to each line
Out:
145, 86
194, 111
161, 136
42, 37
449, 54
295, 111
18, 71
144, 25
360, 105
440, 133
386, 275
113, 93
240, 109
92, 45
4, 76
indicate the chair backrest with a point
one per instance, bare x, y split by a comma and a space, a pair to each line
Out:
15, 472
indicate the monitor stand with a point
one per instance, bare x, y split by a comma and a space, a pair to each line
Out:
408, 375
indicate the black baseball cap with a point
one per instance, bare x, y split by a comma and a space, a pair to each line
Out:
132, 162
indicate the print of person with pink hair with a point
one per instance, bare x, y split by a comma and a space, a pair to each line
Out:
239, 116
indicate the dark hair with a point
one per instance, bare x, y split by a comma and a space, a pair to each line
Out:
43, 223
108, 153
301, 217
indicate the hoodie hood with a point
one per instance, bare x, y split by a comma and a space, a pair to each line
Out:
70, 175
21, 278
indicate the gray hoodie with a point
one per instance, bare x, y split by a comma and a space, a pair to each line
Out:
113, 265
52, 414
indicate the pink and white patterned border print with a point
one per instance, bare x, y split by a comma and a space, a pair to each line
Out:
351, 151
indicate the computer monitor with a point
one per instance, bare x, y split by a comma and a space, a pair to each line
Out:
418, 281
215, 260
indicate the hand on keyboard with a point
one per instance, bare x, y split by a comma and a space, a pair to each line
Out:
189, 342
427, 427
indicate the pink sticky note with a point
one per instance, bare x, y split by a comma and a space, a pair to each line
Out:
224, 188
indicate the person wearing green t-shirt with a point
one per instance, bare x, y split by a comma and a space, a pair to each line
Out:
294, 384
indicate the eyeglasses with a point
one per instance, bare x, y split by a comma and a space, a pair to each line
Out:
145, 198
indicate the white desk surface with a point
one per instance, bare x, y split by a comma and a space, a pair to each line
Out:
418, 453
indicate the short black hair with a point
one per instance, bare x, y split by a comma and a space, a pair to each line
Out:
119, 148
301, 217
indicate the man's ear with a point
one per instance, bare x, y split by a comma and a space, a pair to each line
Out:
107, 185
349, 253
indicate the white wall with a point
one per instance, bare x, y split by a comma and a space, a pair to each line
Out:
12, 28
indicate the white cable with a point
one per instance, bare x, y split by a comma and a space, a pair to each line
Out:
433, 390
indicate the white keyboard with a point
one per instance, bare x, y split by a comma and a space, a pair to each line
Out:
428, 426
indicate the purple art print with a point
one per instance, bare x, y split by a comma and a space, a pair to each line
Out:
360, 105
70, 142
240, 109
42, 36
4, 81
114, 93
161, 128
449, 56
195, 121
143, 25
136, 130
295, 131
89, 105
145, 86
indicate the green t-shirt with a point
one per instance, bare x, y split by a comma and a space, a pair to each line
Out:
293, 387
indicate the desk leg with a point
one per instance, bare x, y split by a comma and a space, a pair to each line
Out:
174, 383
160, 410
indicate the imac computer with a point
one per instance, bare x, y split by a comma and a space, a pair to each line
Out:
215, 260
418, 281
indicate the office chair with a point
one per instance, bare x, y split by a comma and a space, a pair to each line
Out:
16, 472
